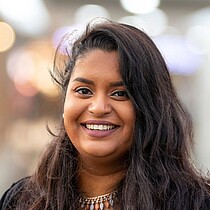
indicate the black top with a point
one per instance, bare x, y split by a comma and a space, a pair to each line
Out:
7, 198
7, 201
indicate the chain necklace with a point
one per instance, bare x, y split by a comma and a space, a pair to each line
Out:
98, 202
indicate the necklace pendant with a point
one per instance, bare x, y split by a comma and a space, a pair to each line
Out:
101, 206
111, 202
99, 202
97, 206
91, 206
83, 205
106, 203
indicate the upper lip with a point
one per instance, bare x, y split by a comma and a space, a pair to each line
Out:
98, 122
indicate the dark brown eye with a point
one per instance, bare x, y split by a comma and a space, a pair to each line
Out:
120, 95
83, 91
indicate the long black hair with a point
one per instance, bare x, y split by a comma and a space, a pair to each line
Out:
160, 174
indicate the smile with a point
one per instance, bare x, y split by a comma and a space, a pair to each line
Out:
99, 127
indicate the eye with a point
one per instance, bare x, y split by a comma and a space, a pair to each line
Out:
120, 95
83, 91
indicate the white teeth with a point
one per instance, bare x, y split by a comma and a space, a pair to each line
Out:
99, 127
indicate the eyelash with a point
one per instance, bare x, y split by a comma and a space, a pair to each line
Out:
118, 95
120, 92
80, 91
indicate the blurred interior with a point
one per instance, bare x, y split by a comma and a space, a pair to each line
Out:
30, 30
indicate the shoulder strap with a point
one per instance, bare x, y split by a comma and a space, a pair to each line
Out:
11, 193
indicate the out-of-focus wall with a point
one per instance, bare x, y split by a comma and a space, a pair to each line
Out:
29, 100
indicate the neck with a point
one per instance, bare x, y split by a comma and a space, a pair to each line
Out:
96, 177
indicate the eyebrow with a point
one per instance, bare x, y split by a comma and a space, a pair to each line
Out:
90, 82
83, 80
116, 84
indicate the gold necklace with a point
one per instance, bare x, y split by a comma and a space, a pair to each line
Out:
98, 202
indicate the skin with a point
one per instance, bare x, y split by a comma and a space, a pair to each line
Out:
96, 96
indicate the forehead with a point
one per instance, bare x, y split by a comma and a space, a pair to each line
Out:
97, 63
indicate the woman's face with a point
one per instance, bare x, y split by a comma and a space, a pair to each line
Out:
99, 117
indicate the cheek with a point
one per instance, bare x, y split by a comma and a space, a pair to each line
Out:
70, 117
129, 116
72, 110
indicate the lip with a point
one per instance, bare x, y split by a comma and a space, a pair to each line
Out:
99, 133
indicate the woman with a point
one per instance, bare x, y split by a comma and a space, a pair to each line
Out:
124, 138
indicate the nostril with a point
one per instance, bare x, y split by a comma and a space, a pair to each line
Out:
100, 107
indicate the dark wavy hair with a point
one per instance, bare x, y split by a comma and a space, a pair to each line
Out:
160, 175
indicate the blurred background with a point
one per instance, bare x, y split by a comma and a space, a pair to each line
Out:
30, 30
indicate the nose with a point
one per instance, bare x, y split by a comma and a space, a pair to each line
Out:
100, 105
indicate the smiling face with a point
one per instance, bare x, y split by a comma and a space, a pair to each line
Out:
99, 117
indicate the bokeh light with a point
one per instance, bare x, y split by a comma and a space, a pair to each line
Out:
200, 17
199, 35
88, 12
7, 36
30, 18
179, 57
28, 67
146, 22
198, 30
139, 6
67, 34
20, 70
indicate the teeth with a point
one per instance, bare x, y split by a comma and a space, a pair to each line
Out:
99, 127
